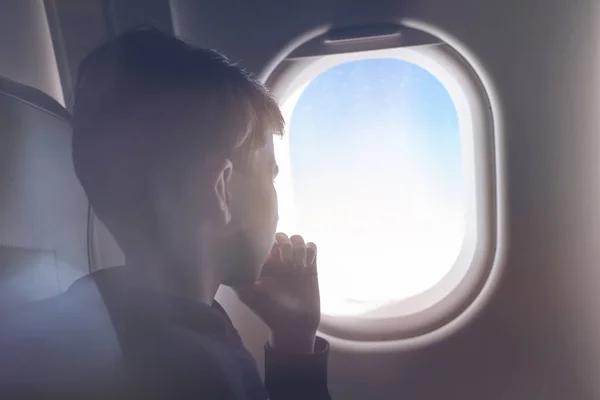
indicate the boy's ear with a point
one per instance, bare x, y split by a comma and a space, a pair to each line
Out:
222, 171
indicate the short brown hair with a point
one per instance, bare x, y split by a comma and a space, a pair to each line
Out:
127, 126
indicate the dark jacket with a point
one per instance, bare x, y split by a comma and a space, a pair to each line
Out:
106, 338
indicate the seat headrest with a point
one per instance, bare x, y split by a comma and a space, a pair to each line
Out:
43, 208
35, 98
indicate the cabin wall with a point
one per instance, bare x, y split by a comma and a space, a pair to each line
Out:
537, 337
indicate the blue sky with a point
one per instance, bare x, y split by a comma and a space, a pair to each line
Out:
375, 161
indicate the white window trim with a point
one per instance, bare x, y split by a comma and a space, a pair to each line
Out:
428, 312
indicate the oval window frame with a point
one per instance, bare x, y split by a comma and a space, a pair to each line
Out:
432, 309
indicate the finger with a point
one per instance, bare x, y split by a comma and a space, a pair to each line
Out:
311, 254
282, 238
287, 253
299, 251
286, 247
275, 254
273, 262
297, 240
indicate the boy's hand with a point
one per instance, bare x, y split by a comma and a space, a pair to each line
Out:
286, 296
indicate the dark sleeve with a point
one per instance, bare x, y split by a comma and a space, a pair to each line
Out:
297, 376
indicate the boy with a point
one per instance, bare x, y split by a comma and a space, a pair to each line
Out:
173, 146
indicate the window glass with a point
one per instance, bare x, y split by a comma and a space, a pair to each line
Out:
371, 172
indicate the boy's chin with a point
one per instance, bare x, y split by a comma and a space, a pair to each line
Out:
246, 277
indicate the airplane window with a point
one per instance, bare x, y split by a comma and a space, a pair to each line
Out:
371, 170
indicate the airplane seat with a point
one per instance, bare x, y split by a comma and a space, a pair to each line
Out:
104, 249
43, 208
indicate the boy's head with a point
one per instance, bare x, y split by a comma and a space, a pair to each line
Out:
173, 146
